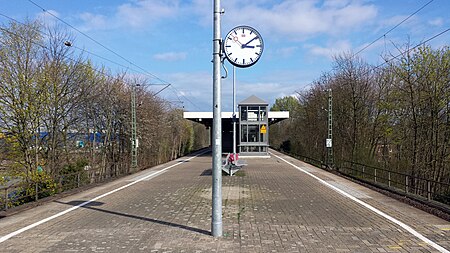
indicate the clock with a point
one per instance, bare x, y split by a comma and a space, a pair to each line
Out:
243, 46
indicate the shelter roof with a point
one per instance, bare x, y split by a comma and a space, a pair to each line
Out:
253, 100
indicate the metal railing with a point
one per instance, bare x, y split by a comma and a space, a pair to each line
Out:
426, 188
400, 183
24, 192
307, 159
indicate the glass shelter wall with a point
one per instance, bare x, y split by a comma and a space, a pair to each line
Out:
253, 124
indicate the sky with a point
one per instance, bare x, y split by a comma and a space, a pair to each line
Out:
172, 39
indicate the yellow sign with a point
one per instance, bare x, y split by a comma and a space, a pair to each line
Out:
263, 129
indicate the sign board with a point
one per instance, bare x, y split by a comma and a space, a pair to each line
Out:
329, 143
263, 129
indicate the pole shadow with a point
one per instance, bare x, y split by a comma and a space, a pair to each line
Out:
91, 206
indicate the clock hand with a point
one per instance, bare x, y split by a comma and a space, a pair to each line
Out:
236, 39
246, 44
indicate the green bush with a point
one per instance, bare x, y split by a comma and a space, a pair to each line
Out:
46, 185
73, 174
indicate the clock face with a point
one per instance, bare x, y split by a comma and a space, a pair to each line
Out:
243, 46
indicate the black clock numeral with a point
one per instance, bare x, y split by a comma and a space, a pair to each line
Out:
256, 53
227, 46
243, 61
258, 46
230, 54
235, 60
251, 59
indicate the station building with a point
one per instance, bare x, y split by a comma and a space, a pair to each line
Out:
253, 119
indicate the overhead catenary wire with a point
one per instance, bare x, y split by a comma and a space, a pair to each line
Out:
96, 41
108, 49
117, 79
64, 56
393, 28
176, 91
407, 51
91, 53
166, 85
74, 46
73, 60
416, 46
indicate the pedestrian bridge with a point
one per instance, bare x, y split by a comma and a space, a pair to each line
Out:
276, 204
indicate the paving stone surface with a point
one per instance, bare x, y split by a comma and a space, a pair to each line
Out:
270, 206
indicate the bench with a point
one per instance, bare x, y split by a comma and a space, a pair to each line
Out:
232, 164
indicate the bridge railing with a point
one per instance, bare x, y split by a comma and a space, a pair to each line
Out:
430, 192
408, 184
313, 161
24, 192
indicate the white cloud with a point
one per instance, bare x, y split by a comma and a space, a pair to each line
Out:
48, 17
195, 86
134, 14
170, 56
386, 24
277, 19
142, 13
332, 49
336, 3
202, 9
286, 52
436, 22
94, 22
300, 19
267, 91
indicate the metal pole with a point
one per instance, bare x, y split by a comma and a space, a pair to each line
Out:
6, 198
330, 128
407, 184
216, 222
234, 112
133, 129
37, 191
37, 144
389, 178
93, 142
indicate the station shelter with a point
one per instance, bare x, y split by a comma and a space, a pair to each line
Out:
252, 128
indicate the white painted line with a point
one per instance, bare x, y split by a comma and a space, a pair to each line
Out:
156, 173
355, 193
373, 209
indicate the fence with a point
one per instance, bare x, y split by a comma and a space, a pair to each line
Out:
316, 162
24, 192
429, 189
426, 189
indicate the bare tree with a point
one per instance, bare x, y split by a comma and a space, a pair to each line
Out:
20, 59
